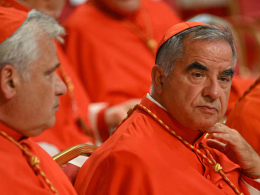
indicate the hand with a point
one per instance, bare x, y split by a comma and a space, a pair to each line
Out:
236, 148
115, 114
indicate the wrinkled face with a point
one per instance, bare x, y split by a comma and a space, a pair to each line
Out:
197, 91
121, 7
38, 95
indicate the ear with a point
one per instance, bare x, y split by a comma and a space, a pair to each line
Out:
157, 79
9, 79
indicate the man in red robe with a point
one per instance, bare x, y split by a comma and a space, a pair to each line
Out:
245, 117
30, 90
161, 147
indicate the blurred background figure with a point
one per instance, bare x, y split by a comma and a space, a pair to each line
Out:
112, 46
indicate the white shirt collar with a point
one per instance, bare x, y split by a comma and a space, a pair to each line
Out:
154, 101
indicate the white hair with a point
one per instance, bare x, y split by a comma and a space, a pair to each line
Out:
22, 48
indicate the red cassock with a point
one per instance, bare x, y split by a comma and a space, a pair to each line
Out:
142, 157
18, 177
109, 55
245, 118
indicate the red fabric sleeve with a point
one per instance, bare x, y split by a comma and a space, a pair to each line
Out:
103, 129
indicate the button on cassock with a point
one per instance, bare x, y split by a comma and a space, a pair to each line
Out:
220, 186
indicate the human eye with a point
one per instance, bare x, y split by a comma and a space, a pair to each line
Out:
49, 75
197, 74
197, 77
225, 79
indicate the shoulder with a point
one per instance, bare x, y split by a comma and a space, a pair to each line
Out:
120, 172
14, 168
135, 132
130, 141
9, 152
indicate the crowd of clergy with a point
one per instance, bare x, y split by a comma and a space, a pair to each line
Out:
159, 98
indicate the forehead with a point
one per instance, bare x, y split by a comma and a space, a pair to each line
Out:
212, 54
47, 55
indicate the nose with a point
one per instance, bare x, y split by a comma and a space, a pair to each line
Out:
212, 90
60, 87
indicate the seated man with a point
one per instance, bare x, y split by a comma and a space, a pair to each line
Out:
29, 98
161, 147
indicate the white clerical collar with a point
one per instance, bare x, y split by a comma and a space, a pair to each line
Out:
154, 101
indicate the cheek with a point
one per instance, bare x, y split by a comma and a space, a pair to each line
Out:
193, 96
225, 97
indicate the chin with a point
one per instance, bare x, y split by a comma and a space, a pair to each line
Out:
35, 132
50, 123
205, 125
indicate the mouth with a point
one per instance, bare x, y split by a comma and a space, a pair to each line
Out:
208, 109
56, 108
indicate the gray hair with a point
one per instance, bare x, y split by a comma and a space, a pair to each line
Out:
22, 48
172, 50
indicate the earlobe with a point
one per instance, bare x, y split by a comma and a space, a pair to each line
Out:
8, 79
157, 79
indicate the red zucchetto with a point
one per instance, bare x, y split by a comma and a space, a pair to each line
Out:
177, 29
10, 20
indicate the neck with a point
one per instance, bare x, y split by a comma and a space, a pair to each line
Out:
190, 135
157, 98
118, 15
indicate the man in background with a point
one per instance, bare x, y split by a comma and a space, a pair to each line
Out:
111, 45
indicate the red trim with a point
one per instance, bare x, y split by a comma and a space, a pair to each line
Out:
251, 182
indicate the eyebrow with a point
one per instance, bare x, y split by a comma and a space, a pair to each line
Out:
53, 68
229, 72
196, 65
